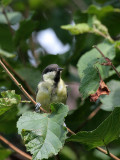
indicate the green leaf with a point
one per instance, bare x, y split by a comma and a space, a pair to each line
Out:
32, 77
112, 72
77, 28
107, 15
25, 30
8, 121
87, 68
93, 26
4, 153
113, 99
6, 2
105, 133
9, 100
6, 54
98, 28
67, 153
44, 134
14, 17
6, 42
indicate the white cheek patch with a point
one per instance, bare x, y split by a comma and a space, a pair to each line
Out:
49, 76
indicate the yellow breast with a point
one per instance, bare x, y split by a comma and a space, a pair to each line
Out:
48, 93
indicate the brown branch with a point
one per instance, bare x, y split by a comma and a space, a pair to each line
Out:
32, 44
19, 85
105, 152
20, 77
92, 114
15, 148
30, 98
5, 14
108, 61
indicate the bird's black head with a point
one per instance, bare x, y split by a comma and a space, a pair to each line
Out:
53, 68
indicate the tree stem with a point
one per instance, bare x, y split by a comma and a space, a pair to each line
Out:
107, 59
5, 14
92, 114
20, 86
15, 148
20, 77
105, 152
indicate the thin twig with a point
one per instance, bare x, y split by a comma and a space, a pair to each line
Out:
99, 51
103, 35
115, 70
105, 152
32, 44
108, 61
69, 130
5, 14
15, 148
30, 98
19, 85
20, 77
92, 114
12, 32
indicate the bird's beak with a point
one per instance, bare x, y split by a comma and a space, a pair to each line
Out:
60, 69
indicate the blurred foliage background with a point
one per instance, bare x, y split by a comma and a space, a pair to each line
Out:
31, 37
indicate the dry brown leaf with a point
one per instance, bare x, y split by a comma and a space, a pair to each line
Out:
103, 89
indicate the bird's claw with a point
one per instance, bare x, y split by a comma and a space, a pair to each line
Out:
37, 107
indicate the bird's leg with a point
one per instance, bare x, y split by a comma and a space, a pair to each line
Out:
37, 107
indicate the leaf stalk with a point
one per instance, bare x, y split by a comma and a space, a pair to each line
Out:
108, 61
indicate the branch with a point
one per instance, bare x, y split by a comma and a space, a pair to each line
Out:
108, 61
5, 14
105, 152
102, 34
15, 148
20, 77
30, 98
92, 114
32, 44
19, 85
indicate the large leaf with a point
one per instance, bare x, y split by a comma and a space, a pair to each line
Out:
6, 42
6, 2
4, 153
112, 72
107, 15
92, 26
44, 134
113, 99
67, 154
77, 29
105, 133
6, 54
9, 100
87, 68
8, 121
25, 30
32, 77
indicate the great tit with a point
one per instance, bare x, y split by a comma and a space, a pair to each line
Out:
52, 88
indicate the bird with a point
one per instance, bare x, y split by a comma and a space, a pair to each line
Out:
51, 89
